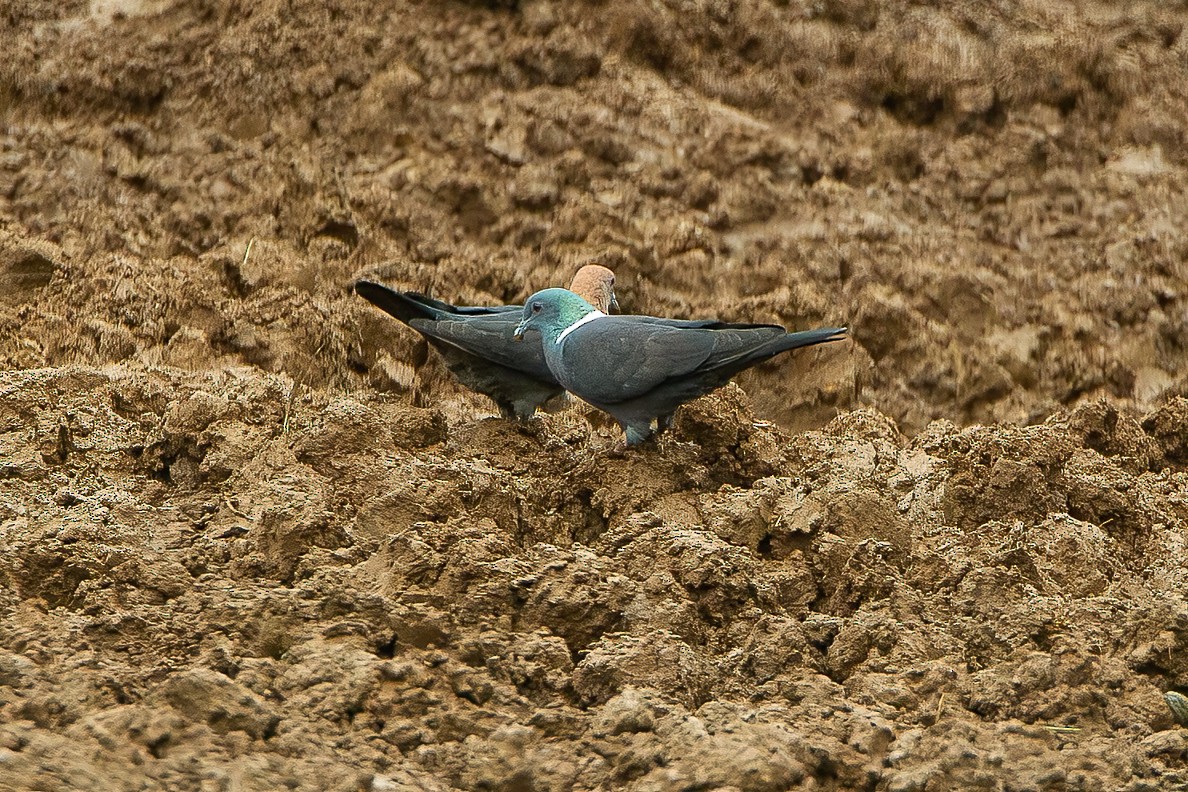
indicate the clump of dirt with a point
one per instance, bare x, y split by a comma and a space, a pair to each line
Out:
992, 199
207, 575
255, 537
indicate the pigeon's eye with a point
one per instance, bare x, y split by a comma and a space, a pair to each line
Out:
535, 307
612, 281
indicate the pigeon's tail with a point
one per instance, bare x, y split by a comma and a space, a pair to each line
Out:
413, 305
805, 338
403, 305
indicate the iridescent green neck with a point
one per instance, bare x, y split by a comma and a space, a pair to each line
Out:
571, 309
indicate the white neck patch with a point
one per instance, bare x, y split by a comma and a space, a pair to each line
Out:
590, 317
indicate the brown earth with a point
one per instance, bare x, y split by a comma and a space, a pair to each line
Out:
252, 537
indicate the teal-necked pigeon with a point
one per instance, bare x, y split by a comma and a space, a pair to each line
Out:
640, 369
477, 344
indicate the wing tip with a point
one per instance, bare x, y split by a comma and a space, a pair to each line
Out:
827, 334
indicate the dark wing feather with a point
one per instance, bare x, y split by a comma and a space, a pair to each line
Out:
485, 333
696, 324
411, 305
734, 344
614, 359
477, 346
397, 304
619, 359
489, 338
463, 310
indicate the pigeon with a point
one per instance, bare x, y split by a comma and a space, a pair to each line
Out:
640, 369
476, 342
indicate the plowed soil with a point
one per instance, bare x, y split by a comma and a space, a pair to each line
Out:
253, 537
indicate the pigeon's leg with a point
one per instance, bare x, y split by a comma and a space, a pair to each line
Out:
521, 411
636, 436
618, 451
554, 404
664, 422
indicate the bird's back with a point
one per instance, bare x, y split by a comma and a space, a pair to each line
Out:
618, 358
640, 369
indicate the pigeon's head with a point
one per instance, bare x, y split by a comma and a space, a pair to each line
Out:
596, 285
551, 311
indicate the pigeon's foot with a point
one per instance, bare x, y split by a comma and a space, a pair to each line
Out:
508, 412
624, 449
617, 451
527, 427
555, 405
637, 436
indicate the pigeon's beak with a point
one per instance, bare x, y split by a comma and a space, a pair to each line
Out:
520, 328
614, 303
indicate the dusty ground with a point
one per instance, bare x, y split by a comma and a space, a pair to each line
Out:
253, 538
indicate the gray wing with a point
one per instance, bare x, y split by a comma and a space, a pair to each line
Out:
735, 344
614, 359
619, 358
490, 338
705, 324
